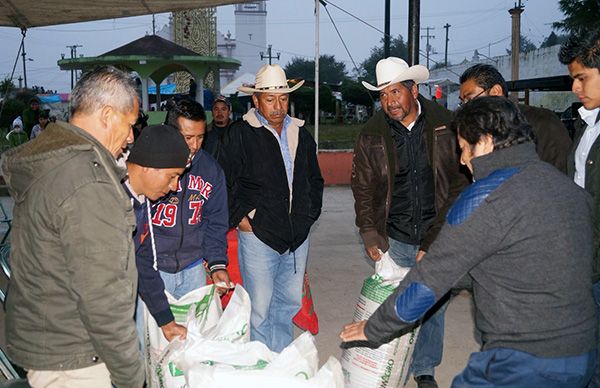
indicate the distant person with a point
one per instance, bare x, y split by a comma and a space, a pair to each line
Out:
69, 312
221, 112
31, 115
523, 232
581, 53
405, 175
275, 192
43, 121
16, 136
189, 227
551, 137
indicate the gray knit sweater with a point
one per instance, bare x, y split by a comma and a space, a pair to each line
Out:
523, 232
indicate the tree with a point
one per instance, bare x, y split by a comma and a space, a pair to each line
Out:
579, 15
553, 40
330, 70
398, 48
6, 86
525, 45
304, 101
355, 93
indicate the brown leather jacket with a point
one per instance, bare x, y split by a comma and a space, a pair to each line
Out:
374, 158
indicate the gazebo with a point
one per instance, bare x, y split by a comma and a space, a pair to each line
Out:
154, 58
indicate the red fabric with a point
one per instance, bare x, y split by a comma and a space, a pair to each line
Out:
306, 318
438, 92
233, 268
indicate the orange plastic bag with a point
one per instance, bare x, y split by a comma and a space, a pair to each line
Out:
306, 318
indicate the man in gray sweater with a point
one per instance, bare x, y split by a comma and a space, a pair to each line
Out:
523, 232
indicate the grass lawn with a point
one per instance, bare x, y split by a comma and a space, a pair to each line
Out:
333, 136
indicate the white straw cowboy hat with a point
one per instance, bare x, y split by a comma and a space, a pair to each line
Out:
270, 79
392, 70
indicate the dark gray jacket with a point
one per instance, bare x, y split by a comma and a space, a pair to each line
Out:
523, 231
72, 293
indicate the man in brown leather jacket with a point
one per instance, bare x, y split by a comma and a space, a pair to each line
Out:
406, 174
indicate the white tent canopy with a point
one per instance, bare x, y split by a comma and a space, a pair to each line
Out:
231, 88
35, 13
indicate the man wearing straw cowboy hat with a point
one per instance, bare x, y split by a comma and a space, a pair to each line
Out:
275, 194
405, 175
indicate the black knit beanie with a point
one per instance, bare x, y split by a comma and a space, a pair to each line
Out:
160, 146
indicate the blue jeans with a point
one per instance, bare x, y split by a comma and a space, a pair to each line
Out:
274, 283
595, 383
177, 284
430, 341
512, 368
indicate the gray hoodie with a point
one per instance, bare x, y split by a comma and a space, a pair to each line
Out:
523, 231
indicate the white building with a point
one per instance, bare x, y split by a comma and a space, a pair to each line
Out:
250, 39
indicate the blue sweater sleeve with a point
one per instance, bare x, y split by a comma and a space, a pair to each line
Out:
216, 215
151, 287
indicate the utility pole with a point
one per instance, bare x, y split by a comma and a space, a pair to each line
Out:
73, 56
447, 27
153, 25
24, 32
428, 46
386, 37
414, 23
515, 14
268, 55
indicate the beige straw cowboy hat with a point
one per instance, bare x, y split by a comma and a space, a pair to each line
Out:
270, 79
392, 70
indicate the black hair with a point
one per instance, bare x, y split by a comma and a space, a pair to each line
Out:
582, 46
185, 108
495, 116
486, 76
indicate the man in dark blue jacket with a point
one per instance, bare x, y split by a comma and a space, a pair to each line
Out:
189, 227
275, 194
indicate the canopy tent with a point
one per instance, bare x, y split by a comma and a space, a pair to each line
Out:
36, 13
231, 88
155, 58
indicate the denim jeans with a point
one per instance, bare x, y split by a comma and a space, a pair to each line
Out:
274, 283
177, 284
503, 367
430, 342
595, 382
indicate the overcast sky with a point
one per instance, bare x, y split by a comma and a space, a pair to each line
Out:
475, 24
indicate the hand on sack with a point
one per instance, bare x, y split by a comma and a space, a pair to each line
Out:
420, 255
354, 332
172, 330
374, 253
222, 281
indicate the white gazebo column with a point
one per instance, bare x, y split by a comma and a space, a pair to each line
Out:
145, 100
199, 89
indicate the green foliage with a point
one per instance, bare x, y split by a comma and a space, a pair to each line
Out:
304, 100
355, 93
398, 48
337, 136
330, 70
525, 45
11, 109
553, 40
579, 15
6, 86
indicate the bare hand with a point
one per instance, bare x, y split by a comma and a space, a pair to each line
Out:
222, 276
374, 253
244, 225
172, 330
354, 332
420, 255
